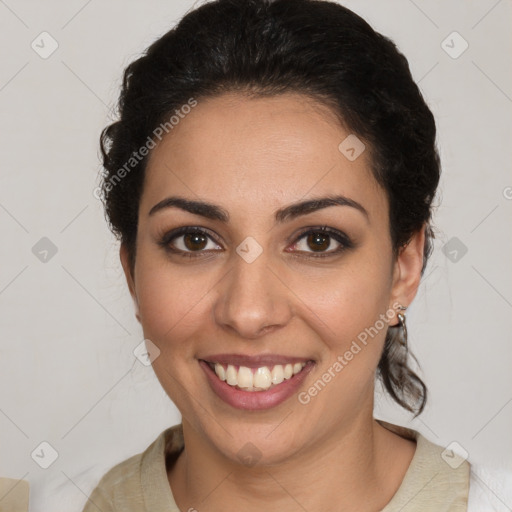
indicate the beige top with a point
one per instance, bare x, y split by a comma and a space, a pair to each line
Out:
140, 483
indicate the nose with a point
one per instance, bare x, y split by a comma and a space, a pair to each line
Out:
252, 300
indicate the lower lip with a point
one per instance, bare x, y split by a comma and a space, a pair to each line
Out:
255, 400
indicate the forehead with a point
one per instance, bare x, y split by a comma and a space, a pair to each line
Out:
232, 149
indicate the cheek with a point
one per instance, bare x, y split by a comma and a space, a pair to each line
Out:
347, 314
339, 302
346, 308
346, 300
172, 304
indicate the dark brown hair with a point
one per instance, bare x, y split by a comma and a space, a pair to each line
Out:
268, 47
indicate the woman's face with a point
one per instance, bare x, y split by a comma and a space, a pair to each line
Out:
272, 278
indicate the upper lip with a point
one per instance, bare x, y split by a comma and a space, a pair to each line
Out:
253, 361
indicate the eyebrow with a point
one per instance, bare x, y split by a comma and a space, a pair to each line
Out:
214, 212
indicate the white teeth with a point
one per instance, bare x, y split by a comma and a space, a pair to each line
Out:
260, 379
245, 377
231, 375
277, 374
219, 370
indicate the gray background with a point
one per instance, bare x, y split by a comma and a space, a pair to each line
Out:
68, 331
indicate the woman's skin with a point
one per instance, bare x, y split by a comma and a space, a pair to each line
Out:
251, 157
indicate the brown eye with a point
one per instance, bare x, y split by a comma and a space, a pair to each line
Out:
188, 240
195, 241
318, 241
321, 241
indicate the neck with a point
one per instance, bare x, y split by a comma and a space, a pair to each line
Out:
358, 467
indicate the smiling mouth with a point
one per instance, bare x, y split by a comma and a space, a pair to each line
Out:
262, 378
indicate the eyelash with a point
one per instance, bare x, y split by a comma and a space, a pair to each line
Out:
338, 236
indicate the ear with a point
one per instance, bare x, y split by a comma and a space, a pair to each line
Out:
407, 272
123, 255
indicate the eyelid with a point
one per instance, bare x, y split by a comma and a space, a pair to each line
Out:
167, 237
341, 238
